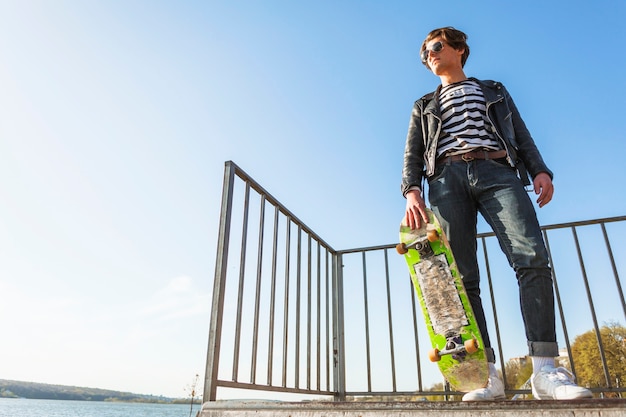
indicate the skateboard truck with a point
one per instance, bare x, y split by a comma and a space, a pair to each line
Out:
420, 244
454, 348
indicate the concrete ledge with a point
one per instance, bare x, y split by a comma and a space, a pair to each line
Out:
575, 408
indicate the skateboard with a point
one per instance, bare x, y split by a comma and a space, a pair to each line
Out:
457, 345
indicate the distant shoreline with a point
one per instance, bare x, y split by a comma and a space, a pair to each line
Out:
40, 391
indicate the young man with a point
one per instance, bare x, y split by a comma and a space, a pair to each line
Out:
468, 141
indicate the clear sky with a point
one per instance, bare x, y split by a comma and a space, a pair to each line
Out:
116, 118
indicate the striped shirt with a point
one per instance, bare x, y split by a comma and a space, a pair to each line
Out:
464, 116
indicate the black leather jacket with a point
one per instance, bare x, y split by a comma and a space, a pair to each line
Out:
504, 119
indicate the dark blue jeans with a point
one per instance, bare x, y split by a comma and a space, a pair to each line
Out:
457, 193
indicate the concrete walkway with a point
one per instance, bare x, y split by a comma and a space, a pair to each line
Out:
577, 408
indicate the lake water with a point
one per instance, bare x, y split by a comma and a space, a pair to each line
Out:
10, 407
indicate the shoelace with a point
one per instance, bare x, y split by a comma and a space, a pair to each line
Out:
561, 375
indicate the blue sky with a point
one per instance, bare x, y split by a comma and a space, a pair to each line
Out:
116, 118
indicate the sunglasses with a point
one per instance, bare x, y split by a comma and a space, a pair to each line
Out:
436, 47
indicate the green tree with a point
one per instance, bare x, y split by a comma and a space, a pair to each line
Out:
518, 371
586, 356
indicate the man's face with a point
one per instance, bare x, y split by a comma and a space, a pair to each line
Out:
441, 57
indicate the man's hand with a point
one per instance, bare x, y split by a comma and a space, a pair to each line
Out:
544, 188
415, 209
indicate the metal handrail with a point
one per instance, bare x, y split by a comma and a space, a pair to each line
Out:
282, 298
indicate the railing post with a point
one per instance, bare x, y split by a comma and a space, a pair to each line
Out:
219, 285
339, 352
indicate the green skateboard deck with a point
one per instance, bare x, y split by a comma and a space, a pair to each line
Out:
457, 345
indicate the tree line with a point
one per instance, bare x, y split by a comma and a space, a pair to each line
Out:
35, 390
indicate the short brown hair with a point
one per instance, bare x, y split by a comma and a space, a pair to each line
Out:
453, 37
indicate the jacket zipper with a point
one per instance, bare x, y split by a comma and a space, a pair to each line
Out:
506, 148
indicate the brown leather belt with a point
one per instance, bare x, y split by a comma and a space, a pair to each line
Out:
470, 156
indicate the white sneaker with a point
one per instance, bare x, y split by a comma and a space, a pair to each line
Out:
556, 384
493, 391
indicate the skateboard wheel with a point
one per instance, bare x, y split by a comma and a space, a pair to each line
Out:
401, 248
432, 235
433, 355
471, 346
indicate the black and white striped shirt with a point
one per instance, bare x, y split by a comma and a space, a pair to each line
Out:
464, 116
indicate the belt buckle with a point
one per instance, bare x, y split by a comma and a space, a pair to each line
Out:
467, 157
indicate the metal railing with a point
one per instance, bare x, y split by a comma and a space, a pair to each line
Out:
292, 315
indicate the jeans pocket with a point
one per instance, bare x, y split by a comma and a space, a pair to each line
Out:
502, 162
439, 171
